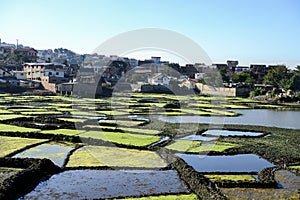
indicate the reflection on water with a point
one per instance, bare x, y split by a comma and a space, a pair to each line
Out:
232, 133
237, 163
198, 138
100, 184
56, 152
259, 117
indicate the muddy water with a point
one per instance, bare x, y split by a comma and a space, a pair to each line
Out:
56, 152
238, 163
93, 184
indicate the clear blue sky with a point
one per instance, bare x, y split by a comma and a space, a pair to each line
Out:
252, 31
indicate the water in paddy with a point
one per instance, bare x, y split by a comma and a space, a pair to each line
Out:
232, 133
290, 187
96, 184
257, 117
198, 137
243, 163
56, 152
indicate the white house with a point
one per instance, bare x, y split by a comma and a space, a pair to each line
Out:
20, 75
199, 75
159, 79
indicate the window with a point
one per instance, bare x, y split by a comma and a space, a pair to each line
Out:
50, 73
57, 73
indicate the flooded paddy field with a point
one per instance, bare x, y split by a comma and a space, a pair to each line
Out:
92, 184
140, 146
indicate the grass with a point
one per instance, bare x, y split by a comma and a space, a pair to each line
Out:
122, 138
91, 156
12, 128
223, 177
197, 146
167, 197
9, 145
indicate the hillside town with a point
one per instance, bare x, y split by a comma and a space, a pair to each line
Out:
57, 71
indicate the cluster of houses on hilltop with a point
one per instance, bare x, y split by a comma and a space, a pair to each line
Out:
105, 71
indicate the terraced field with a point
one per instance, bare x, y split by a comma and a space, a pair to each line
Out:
117, 148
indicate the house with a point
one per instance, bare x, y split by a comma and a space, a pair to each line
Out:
240, 69
260, 71
20, 75
30, 54
4, 72
159, 79
35, 71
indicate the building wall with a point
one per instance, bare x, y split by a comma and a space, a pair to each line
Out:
49, 86
220, 91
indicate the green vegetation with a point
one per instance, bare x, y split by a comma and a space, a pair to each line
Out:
69, 132
9, 145
97, 156
197, 146
295, 166
217, 177
6, 117
12, 128
122, 138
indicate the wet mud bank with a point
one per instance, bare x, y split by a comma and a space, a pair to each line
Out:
197, 182
26, 180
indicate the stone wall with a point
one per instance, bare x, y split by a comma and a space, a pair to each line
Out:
222, 91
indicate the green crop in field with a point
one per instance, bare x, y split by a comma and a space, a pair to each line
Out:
69, 132
122, 138
218, 177
11, 144
12, 128
6, 117
197, 146
184, 145
114, 157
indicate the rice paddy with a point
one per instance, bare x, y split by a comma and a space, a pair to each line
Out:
121, 135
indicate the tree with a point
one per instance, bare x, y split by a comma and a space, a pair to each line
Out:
243, 77
277, 76
294, 83
213, 79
